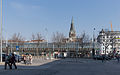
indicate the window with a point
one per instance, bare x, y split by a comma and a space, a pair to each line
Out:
110, 40
107, 51
103, 51
103, 40
110, 52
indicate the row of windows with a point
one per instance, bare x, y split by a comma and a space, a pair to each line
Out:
111, 36
110, 48
110, 44
107, 48
108, 51
117, 40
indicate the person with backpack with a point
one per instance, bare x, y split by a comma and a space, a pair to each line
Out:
7, 61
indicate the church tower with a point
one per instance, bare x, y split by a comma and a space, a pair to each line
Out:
72, 33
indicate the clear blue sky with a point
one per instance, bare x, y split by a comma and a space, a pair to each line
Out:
32, 16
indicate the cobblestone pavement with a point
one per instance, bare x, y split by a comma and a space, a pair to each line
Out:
66, 67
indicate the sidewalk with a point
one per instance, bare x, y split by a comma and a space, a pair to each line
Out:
37, 64
2, 63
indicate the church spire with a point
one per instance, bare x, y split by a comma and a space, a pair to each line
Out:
72, 20
72, 33
72, 25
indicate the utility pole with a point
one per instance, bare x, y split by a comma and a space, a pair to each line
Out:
1, 30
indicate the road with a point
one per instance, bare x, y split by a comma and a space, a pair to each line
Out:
67, 67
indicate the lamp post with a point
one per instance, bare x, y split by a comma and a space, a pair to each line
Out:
53, 51
77, 47
93, 50
48, 43
1, 30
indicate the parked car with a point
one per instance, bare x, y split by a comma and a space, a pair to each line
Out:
97, 57
108, 57
18, 58
3, 56
100, 57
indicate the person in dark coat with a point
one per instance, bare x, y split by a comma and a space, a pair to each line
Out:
7, 61
103, 58
117, 57
13, 61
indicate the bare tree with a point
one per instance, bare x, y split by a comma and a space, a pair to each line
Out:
84, 40
37, 38
111, 41
17, 37
58, 37
33, 37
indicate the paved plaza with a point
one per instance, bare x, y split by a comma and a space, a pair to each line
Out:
68, 66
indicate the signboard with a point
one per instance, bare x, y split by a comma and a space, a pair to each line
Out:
117, 38
17, 48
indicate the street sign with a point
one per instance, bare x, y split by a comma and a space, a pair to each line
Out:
17, 48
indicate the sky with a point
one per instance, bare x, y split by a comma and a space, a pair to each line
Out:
48, 16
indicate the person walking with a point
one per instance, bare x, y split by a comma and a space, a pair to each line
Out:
30, 58
24, 59
103, 58
13, 61
117, 57
7, 61
27, 59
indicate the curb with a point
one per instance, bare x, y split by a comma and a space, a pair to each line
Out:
2, 63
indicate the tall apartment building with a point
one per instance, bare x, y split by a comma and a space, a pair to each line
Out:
109, 41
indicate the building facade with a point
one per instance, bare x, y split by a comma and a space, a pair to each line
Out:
109, 41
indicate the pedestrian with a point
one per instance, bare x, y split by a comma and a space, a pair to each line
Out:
30, 58
7, 61
103, 58
27, 59
24, 59
13, 61
117, 57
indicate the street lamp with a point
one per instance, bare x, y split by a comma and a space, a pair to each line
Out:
77, 47
48, 43
93, 50
1, 30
